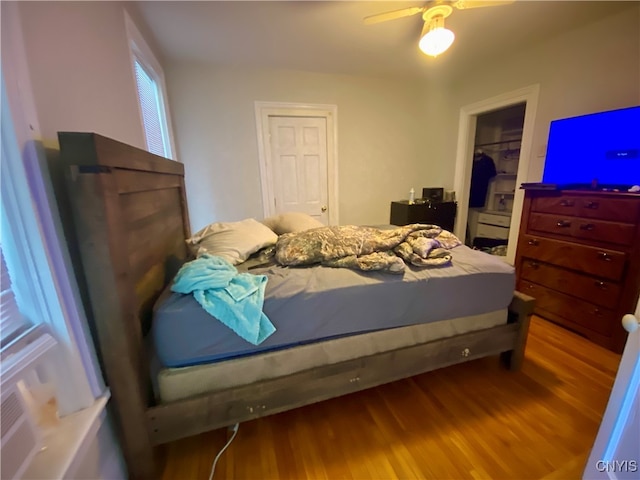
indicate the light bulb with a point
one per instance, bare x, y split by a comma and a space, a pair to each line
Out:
437, 39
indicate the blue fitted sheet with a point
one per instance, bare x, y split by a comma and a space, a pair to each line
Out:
309, 304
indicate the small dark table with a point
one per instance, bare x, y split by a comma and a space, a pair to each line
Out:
442, 214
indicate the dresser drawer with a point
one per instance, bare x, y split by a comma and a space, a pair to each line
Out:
593, 290
576, 311
612, 209
587, 229
489, 231
623, 210
591, 260
493, 219
560, 205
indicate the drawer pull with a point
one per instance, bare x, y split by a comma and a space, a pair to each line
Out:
466, 352
587, 226
597, 311
566, 203
600, 285
534, 265
533, 242
592, 205
563, 223
605, 256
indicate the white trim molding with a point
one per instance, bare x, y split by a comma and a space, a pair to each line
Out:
464, 156
43, 289
620, 420
263, 111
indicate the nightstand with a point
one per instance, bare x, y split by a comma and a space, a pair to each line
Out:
442, 214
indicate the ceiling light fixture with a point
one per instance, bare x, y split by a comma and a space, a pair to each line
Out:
435, 39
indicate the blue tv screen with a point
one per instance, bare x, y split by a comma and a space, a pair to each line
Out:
600, 149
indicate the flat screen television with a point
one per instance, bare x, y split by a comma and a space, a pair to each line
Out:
597, 150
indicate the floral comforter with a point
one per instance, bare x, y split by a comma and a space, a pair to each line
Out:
368, 248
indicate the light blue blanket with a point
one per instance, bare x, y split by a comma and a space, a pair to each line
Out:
234, 298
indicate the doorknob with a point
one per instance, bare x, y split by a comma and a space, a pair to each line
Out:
630, 323
323, 208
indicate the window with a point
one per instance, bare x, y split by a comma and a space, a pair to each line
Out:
12, 322
151, 93
152, 112
37, 273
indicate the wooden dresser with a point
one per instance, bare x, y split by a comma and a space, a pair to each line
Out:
579, 256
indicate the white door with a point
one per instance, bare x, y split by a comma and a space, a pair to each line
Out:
298, 147
616, 451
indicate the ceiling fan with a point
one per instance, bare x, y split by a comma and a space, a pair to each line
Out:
434, 39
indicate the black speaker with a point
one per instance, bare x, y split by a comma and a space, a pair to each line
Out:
434, 195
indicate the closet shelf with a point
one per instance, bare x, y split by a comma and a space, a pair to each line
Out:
504, 213
500, 143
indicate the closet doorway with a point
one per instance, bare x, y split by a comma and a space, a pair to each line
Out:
496, 155
494, 143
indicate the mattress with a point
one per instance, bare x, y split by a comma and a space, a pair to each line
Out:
310, 304
174, 384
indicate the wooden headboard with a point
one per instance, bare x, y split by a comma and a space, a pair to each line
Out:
130, 221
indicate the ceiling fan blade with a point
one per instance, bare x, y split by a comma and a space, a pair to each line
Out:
383, 17
467, 4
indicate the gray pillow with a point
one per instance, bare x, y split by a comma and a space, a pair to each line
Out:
291, 222
233, 241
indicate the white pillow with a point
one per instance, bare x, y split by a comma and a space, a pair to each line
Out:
291, 222
233, 241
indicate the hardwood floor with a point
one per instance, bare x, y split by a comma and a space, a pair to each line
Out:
475, 420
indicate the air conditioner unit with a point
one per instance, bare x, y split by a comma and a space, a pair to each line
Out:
20, 437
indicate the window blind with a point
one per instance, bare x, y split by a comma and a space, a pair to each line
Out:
151, 111
12, 322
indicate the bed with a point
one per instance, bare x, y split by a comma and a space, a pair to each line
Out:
130, 222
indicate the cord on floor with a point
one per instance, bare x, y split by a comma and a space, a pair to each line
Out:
213, 467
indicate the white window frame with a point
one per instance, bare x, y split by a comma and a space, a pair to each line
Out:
44, 291
140, 52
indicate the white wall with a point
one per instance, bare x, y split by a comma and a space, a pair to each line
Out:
392, 135
78, 59
440, 125
380, 132
592, 68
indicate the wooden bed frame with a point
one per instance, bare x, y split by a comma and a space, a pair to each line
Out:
129, 213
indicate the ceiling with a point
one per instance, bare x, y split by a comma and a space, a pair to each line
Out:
331, 37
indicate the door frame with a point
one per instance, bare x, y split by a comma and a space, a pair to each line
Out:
618, 415
464, 156
263, 111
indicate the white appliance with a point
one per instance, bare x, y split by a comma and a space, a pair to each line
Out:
20, 437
